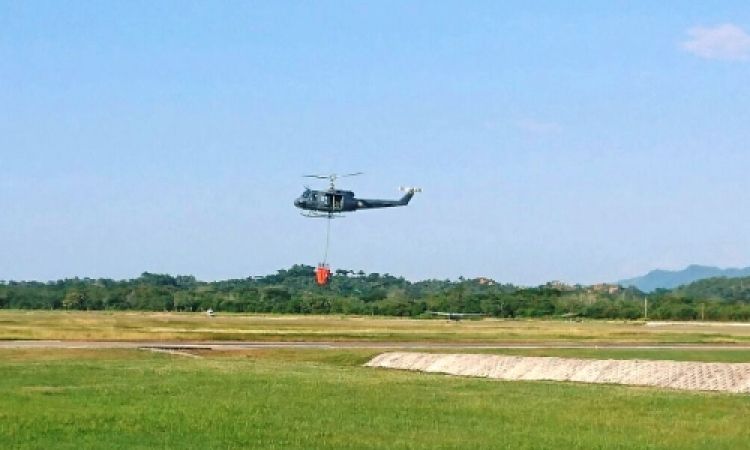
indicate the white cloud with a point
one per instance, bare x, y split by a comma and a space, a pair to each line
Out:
727, 42
535, 127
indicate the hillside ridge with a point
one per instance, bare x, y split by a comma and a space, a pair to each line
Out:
670, 279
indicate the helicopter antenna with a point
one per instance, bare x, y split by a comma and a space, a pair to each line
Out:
332, 177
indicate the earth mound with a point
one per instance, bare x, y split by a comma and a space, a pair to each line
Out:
697, 376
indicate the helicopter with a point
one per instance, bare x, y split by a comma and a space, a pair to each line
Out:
331, 203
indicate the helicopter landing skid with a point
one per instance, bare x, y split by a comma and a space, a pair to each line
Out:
316, 215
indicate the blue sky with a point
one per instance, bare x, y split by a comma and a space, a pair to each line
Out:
581, 142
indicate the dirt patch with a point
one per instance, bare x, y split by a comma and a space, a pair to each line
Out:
175, 352
698, 376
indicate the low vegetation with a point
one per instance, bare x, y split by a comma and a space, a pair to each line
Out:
294, 291
302, 399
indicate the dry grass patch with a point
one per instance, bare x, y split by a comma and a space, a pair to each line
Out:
129, 326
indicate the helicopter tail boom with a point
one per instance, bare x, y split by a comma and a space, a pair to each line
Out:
410, 191
403, 201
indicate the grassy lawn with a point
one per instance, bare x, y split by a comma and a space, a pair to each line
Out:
360, 356
324, 399
41, 325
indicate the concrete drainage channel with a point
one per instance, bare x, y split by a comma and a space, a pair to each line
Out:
697, 376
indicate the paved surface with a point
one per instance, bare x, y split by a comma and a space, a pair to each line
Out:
244, 345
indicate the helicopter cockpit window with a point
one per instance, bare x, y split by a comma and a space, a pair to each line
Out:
314, 197
306, 194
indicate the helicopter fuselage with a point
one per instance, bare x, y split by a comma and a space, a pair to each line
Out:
334, 201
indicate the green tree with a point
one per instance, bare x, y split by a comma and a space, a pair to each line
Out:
73, 300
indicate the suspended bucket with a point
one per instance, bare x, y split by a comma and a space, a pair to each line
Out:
322, 274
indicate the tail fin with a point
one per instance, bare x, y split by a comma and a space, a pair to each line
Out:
410, 191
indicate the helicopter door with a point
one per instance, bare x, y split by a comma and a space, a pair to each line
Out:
338, 201
334, 201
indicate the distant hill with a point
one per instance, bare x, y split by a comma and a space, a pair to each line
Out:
667, 279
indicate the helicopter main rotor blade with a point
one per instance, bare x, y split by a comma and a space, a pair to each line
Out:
332, 176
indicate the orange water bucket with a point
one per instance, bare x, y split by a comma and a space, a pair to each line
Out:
322, 274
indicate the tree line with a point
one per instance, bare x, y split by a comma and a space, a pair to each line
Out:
293, 291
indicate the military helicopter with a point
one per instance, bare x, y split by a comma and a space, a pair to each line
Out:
331, 203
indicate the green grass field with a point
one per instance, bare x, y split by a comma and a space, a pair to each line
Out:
295, 398
324, 399
77, 325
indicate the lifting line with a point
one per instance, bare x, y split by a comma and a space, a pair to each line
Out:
323, 272
328, 239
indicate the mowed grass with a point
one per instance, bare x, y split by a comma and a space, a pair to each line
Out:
133, 326
324, 399
361, 356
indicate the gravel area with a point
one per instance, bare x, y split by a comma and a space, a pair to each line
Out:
697, 376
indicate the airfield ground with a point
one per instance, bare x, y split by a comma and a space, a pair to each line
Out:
195, 327
299, 382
